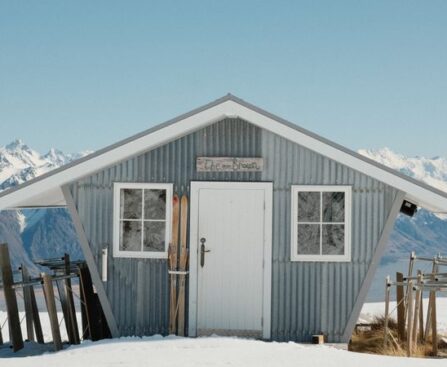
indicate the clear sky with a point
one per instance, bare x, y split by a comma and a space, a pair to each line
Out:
83, 74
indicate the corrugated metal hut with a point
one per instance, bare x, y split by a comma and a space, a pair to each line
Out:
285, 228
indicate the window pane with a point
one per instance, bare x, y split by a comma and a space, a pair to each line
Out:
130, 236
130, 203
333, 239
308, 239
154, 236
308, 206
155, 204
333, 206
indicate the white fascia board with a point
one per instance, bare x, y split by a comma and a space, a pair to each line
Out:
419, 195
29, 195
38, 192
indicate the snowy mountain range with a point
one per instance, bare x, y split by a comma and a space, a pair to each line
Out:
36, 234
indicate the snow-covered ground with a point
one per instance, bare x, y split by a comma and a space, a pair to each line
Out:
210, 351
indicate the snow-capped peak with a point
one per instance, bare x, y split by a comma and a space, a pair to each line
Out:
19, 163
432, 171
17, 143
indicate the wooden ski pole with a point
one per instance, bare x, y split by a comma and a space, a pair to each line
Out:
183, 263
173, 250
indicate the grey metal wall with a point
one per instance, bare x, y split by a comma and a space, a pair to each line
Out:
307, 298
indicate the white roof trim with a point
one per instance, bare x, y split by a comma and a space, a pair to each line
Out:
45, 190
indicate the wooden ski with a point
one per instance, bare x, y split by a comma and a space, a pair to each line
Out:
183, 264
173, 250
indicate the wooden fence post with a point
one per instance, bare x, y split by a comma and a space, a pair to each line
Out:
63, 300
28, 305
434, 270
51, 307
70, 303
409, 318
417, 304
400, 307
410, 274
15, 329
36, 318
387, 309
434, 331
421, 310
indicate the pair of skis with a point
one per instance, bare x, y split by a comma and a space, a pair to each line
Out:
178, 264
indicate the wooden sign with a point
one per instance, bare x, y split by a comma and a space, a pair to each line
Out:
229, 164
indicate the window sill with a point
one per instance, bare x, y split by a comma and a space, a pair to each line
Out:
140, 255
319, 258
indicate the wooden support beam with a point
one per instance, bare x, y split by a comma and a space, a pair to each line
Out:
409, 276
428, 321
183, 264
36, 318
28, 304
70, 303
52, 313
387, 309
421, 310
400, 299
63, 300
85, 300
417, 304
410, 319
15, 330
173, 263
434, 330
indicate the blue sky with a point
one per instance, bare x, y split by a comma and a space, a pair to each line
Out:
83, 74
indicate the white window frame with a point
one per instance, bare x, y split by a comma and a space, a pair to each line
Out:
117, 186
294, 256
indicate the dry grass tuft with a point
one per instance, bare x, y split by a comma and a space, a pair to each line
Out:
371, 341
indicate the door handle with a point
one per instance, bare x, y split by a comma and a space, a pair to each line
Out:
203, 251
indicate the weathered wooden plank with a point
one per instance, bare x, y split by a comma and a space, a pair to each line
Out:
15, 331
434, 329
71, 309
387, 309
52, 313
229, 164
36, 317
28, 304
409, 319
434, 270
85, 300
173, 259
421, 311
400, 307
417, 304
183, 263
96, 321
63, 300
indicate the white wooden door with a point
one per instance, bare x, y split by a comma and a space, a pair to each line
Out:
230, 278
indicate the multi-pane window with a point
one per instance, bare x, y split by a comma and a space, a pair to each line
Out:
321, 223
142, 218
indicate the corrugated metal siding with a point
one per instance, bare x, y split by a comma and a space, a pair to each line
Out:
307, 298
138, 288
310, 298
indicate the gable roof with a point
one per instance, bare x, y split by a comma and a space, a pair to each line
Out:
45, 190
